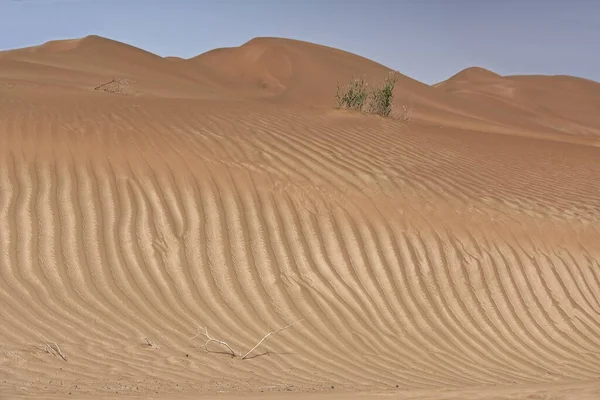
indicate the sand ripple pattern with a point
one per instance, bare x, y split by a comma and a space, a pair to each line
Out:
414, 258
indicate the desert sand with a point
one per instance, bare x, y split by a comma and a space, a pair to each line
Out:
145, 199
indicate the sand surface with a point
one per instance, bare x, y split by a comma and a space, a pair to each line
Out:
145, 199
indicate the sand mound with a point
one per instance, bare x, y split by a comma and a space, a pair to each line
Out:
566, 105
58, 46
476, 79
175, 59
422, 260
292, 70
84, 62
474, 74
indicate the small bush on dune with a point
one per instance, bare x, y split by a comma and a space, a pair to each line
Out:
381, 98
355, 96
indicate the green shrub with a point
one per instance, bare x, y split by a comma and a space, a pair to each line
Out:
381, 98
353, 96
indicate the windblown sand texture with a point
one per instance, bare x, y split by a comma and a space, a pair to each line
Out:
456, 256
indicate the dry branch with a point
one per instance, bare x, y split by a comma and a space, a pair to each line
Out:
266, 336
116, 85
210, 339
105, 84
151, 344
51, 347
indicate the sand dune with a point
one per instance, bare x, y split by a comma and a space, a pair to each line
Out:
292, 70
423, 260
91, 61
565, 104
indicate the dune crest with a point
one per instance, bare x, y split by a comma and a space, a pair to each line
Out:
473, 74
563, 104
292, 70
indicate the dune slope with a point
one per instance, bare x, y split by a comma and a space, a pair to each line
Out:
565, 104
290, 70
414, 260
91, 61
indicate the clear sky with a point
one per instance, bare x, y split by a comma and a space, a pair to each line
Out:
428, 40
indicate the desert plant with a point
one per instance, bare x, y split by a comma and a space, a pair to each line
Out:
353, 96
381, 97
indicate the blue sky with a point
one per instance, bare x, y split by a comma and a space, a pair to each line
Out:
428, 40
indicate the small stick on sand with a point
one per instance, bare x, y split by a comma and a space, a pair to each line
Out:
210, 339
51, 347
231, 351
267, 335
150, 343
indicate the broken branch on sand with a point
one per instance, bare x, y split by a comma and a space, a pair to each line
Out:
210, 339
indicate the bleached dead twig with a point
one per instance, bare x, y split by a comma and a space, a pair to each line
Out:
267, 335
406, 114
150, 343
51, 347
210, 339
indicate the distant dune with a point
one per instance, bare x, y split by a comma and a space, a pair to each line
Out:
453, 256
565, 104
294, 70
